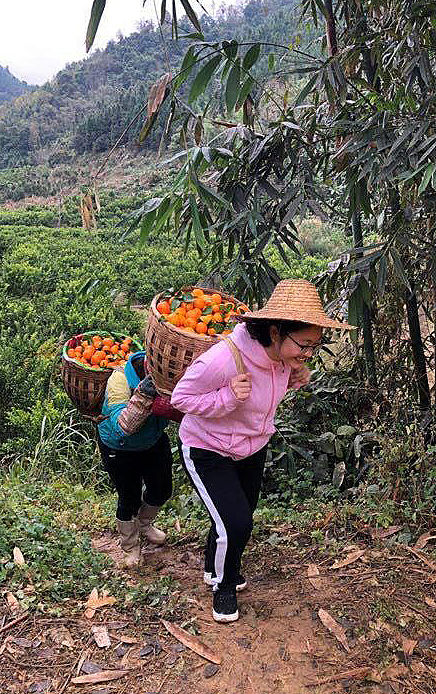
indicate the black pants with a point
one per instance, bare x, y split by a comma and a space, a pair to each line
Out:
230, 491
130, 470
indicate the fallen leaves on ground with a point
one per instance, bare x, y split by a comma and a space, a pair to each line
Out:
349, 559
334, 627
103, 676
408, 646
424, 538
61, 636
101, 636
382, 533
312, 574
192, 642
94, 602
18, 557
13, 603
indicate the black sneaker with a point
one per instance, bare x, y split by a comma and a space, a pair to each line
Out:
225, 605
240, 585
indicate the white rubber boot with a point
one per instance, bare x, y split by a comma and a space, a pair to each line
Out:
146, 515
130, 542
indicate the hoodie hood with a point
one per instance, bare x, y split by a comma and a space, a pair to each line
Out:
129, 369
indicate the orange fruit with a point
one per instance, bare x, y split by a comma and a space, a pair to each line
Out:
189, 307
191, 322
128, 340
211, 331
103, 364
174, 319
97, 357
197, 292
181, 311
164, 307
107, 342
206, 319
207, 301
217, 317
114, 349
201, 328
85, 343
216, 298
215, 308
199, 302
125, 347
71, 353
78, 350
88, 352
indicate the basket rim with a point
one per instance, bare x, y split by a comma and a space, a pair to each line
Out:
202, 338
88, 333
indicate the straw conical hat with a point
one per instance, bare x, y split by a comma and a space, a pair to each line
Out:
297, 300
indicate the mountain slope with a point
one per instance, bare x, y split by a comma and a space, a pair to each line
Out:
87, 105
10, 86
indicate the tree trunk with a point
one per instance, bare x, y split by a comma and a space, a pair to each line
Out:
418, 350
332, 41
368, 341
414, 328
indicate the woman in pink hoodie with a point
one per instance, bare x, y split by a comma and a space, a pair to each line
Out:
230, 418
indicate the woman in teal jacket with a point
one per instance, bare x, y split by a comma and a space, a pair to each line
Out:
137, 455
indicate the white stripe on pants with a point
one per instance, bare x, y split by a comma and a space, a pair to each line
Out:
221, 543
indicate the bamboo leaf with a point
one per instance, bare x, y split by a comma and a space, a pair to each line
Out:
230, 49
94, 20
428, 173
251, 56
203, 77
244, 92
191, 14
185, 68
196, 224
233, 86
146, 226
306, 90
398, 265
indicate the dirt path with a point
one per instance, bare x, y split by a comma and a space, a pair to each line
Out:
382, 600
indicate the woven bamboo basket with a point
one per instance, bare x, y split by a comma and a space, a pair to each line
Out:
86, 386
169, 350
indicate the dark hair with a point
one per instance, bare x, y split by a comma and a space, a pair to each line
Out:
258, 328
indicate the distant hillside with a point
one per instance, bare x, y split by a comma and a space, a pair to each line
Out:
10, 86
87, 105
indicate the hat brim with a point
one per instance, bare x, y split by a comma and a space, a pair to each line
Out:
307, 317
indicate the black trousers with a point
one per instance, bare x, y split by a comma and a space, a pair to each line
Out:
131, 470
230, 491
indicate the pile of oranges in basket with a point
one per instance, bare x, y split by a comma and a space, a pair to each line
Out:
200, 312
101, 352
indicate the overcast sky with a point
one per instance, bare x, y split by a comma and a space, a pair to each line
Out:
38, 37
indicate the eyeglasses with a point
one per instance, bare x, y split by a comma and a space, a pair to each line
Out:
306, 349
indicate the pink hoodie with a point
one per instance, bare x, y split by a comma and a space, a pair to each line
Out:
216, 420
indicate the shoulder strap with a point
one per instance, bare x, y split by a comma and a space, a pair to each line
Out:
240, 366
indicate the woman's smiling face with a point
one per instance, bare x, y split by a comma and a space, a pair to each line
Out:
295, 348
